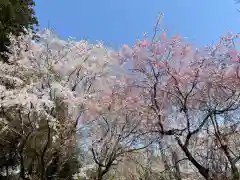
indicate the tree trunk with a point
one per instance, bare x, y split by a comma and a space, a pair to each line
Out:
202, 170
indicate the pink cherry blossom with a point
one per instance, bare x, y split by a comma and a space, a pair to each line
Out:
143, 43
234, 56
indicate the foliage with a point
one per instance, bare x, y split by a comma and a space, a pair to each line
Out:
15, 15
158, 110
192, 96
44, 87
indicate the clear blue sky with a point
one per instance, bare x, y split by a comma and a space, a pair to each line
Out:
118, 22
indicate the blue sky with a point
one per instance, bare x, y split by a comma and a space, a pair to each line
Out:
118, 22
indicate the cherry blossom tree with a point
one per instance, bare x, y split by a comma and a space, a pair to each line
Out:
44, 89
161, 94
115, 130
189, 93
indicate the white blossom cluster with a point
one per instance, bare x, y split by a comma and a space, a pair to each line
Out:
83, 172
48, 71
